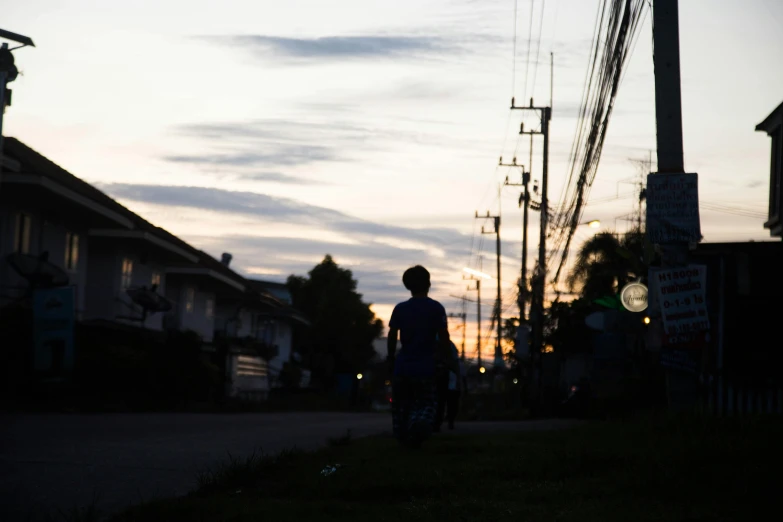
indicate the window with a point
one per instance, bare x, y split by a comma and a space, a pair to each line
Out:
127, 273
190, 299
22, 235
250, 366
71, 251
156, 278
209, 308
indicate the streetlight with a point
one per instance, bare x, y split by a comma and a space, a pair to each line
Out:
482, 370
8, 73
359, 376
595, 223
477, 273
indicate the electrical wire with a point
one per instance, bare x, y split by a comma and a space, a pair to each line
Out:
620, 34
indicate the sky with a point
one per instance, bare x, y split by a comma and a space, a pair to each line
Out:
371, 130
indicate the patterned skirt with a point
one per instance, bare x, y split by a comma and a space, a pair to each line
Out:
413, 408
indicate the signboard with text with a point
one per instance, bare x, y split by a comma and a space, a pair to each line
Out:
680, 297
673, 208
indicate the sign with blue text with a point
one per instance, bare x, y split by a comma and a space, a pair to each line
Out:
673, 208
53, 322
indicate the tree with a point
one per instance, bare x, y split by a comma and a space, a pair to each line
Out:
565, 328
605, 264
343, 327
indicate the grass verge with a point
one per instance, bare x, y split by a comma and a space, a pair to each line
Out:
643, 470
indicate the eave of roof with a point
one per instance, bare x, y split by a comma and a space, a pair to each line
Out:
773, 121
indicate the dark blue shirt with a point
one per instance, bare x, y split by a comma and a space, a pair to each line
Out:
419, 320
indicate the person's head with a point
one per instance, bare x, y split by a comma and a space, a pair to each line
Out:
417, 280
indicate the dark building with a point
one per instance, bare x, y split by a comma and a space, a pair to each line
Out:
773, 126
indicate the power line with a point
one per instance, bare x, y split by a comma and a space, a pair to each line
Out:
620, 32
538, 46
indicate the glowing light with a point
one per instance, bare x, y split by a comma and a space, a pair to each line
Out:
387, 382
477, 273
515, 381
646, 320
359, 376
482, 370
549, 348
596, 223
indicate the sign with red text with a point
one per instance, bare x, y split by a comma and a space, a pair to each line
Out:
681, 296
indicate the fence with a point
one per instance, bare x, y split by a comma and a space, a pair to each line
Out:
723, 397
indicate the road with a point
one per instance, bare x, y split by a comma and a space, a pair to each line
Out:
50, 462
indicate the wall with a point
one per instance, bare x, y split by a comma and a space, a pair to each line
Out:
45, 236
196, 319
282, 337
249, 377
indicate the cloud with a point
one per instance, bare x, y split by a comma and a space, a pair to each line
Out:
249, 150
328, 48
275, 154
377, 252
379, 238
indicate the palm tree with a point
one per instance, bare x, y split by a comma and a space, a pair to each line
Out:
605, 264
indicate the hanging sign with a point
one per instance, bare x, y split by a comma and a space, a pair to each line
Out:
634, 297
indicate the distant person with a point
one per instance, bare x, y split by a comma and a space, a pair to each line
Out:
422, 328
448, 382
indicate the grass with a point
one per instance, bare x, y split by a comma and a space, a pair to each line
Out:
643, 470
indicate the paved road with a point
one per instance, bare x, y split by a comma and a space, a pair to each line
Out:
64, 461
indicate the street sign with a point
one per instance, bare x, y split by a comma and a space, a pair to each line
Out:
633, 296
673, 208
680, 295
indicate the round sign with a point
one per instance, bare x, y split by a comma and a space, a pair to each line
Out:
634, 297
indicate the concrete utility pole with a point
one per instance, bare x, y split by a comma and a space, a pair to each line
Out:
539, 286
524, 201
8, 73
672, 229
498, 362
462, 315
478, 315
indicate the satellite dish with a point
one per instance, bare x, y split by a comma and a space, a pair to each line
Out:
149, 299
38, 271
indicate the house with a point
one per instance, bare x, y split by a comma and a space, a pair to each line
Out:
79, 229
46, 214
196, 290
58, 231
276, 326
773, 126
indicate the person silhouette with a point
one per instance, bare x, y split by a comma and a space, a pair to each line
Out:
421, 325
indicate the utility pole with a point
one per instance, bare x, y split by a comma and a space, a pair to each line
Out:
539, 279
462, 315
498, 363
478, 315
8, 73
677, 228
524, 201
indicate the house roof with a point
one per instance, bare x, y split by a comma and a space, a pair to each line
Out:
748, 247
33, 163
771, 122
285, 311
268, 284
